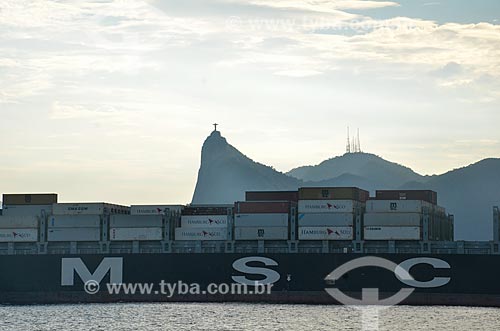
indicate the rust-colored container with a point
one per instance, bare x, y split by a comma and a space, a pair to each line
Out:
272, 196
425, 195
206, 210
265, 207
29, 199
333, 193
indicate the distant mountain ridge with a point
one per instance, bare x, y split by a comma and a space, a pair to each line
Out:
469, 192
359, 164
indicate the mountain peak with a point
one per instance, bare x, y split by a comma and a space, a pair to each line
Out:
215, 135
385, 174
225, 174
215, 139
215, 146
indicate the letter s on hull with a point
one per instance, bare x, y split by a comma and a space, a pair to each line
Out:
241, 265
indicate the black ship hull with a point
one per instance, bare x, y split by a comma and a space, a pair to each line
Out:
471, 280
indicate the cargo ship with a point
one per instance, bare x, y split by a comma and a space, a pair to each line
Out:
315, 245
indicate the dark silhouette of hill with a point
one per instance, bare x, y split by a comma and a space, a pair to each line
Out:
469, 192
381, 173
225, 174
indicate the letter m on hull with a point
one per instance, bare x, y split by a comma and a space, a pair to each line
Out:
70, 266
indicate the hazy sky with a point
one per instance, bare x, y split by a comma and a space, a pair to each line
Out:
111, 100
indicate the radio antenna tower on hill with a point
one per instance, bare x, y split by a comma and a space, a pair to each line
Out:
358, 144
354, 145
348, 146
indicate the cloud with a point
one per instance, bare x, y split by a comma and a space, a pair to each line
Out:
325, 6
79, 111
86, 40
15, 87
432, 4
298, 73
449, 70
51, 46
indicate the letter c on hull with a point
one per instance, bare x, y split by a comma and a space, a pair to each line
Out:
403, 269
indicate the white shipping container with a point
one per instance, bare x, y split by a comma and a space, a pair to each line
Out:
18, 222
396, 206
26, 210
327, 206
261, 233
392, 233
154, 209
203, 221
18, 235
136, 221
78, 208
92, 208
142, 234
74, 221
439, 209
326, 233
392, 219
200, 234
324, 219
261, 220
74, 234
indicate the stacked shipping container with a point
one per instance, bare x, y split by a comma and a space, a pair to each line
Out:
441, 225
424, 195
18, 228
28, 204
394, 219
97, 208
203, 223
74, 228
323, 214
135, 227
329, 213
79, 221
29, 199
154, 209
333, 193
27, 210
21, 214
272, 196
399, 215
262, 220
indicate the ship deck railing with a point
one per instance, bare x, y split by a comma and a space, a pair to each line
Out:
252, 247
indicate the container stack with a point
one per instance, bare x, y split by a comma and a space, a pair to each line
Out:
135, 227
28, 204
74, 228
272, 196
424, 195
18, 229
399, 215
92, 208
203, 223
262, 220
329, 213
79, 221
441, 225
154, 209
